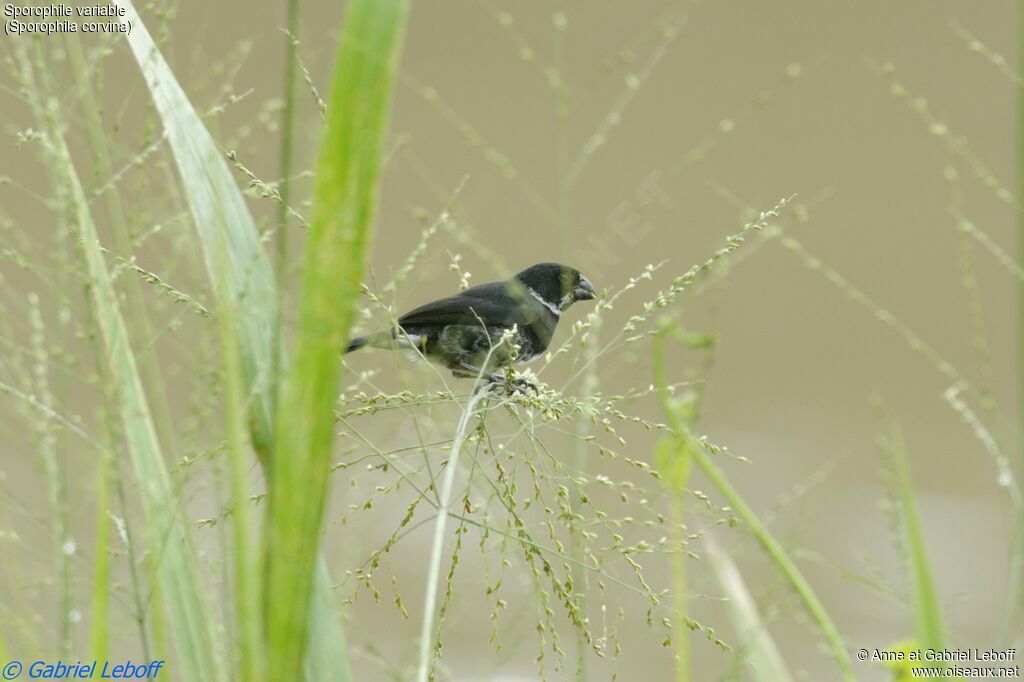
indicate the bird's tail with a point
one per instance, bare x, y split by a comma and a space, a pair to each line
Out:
379, 340
356, 344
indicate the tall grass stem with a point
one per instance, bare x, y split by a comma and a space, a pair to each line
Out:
778, 555
437, 548
287, 134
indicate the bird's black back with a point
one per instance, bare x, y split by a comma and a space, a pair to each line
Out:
499, 304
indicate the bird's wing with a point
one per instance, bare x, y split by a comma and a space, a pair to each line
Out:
495, 304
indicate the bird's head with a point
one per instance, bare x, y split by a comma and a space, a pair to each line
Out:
558, 285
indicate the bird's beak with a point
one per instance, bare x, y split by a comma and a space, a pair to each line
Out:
584, 291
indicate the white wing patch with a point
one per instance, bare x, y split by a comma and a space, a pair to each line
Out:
410, 341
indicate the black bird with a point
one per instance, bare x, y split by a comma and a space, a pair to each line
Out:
463, 332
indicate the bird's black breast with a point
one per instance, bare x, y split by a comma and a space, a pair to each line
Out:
535, 337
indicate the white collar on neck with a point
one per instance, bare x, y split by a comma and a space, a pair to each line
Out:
550, 306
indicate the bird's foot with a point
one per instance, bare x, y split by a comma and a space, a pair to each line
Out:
509, 384
512, 385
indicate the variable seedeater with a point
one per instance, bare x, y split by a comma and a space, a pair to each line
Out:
464, 332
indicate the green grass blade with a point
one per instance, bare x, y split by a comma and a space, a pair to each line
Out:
674, 461
190, 617
344, 204
287, 134
176, 573
119, 232
757, 648
927, 611
197, 647
1012, 616
228, 235
327, 652
248, 588
775, 550
226, 228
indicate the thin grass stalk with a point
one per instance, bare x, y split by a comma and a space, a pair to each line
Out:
560, 91
345, 200
46, 436
758, 650
177, 573
135, 313
99, 632
67, 280
437, 547
109, 473
131, 557
148, 366
155, 608
287, 133
248, 589
778, 555
61, 508
1015, 595
36, 78
62, 169
927, 612
674, 462
681, 634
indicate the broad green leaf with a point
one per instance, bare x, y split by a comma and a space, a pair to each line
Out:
243, 282
344, 204
238, 267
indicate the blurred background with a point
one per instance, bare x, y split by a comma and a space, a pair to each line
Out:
609, 136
